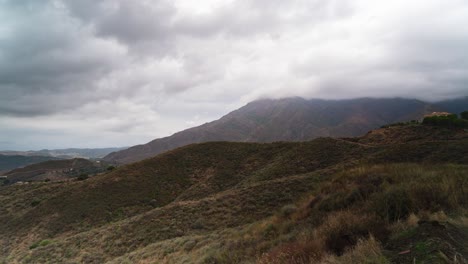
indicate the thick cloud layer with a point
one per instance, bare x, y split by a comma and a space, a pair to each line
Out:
120, 72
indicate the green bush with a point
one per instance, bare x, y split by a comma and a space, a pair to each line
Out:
82, 177
446, 121
4, 181
464, 115
42, 243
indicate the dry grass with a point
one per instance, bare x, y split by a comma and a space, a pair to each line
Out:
240, 203
366, 251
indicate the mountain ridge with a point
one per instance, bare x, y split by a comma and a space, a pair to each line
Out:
289, 119
67, 153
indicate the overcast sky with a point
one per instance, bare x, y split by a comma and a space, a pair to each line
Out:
86, 73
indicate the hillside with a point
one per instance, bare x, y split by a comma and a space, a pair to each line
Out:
54, 170
221, 202
9, 162
290, 119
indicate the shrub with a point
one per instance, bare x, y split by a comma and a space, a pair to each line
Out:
190, 244
287, 210
366, 251
35, 203
110, 168
393, 204
343, 229
464, 115
82, 177
42, 243
430, 197
198, 224
409, 123
446, 121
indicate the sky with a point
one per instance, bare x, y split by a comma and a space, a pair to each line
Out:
123, 72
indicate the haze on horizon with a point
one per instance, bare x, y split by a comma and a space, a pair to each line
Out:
123, 72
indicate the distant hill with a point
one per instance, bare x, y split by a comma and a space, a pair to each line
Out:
9, 162
329, 200
87, 153
455, 106
289, 119
54, 170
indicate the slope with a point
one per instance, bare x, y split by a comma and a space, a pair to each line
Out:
218, 194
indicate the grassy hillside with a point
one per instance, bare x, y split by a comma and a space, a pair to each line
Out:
353, 200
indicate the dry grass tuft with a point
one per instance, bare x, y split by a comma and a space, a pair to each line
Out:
366, 251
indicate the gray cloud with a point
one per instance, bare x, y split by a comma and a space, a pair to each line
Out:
124, 72
126, 20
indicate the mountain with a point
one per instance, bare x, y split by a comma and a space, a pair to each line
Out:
9, 162
329, 200
54, 170
69, 153
289, 119
456, 106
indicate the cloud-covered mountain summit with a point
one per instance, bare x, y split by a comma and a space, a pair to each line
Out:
293, 119
129, 70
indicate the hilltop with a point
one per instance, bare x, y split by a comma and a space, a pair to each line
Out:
9, 162
223, 202
54, 170
288, 119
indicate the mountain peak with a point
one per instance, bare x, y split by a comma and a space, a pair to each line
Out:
291, 119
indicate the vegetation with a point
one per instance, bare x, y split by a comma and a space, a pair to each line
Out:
82, 177
464, 115
42, 243
399, 124
396, 195
4, 181
446, 121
